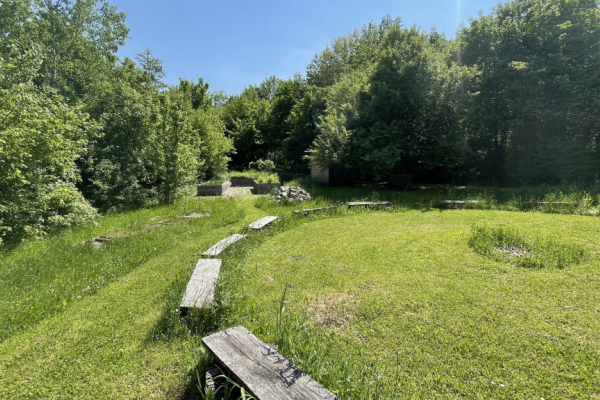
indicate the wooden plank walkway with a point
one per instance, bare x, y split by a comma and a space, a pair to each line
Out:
312, 210
369, 204
200, 290
222, 245
260, 369
261, 223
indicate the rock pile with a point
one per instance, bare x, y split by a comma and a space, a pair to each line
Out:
291, 193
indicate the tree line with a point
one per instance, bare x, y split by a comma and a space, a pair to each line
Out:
512, 99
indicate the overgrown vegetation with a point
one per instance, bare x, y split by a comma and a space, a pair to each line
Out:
260, 176
530, 252
506, 102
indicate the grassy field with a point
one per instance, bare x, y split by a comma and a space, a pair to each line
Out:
377, 304
405, 295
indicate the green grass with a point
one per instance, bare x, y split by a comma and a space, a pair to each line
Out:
378, 305
398, 305
258, 176
502, 243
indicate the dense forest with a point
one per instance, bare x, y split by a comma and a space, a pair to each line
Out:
513, 99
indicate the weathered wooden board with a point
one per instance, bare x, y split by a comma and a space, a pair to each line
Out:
369, 204
311, 210
459, 201
214, 383
222, 245
200, 290
261, 223
260, 369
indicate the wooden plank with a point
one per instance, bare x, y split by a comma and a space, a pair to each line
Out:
222, 245
311, 210
260, 369
369, 204
459, 201
261, 223
200, 290
215, 383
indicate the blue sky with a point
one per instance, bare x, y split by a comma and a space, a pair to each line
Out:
235, 43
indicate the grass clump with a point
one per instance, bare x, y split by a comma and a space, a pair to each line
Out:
530, 252
258, 176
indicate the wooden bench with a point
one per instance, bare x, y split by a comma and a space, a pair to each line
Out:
261, 223
459, 201
369, 204
260, 369
312, 210
402, 181
222, 245
200, 290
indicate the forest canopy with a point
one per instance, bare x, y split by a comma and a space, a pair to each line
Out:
513, 99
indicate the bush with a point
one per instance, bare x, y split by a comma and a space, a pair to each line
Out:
258, 176
262, 165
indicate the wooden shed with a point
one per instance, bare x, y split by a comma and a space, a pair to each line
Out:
331, 175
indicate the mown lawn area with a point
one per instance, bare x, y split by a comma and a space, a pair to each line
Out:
378, 304
400, 303
107, 341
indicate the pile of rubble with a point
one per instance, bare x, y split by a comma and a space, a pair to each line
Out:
291, 193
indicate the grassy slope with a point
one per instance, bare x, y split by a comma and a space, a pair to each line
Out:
103, 346
405, 292
124, 339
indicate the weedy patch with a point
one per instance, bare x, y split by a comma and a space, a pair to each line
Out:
508, 244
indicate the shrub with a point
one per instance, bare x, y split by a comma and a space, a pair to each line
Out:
262, 165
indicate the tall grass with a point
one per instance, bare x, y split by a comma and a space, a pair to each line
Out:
40, 279
531, 252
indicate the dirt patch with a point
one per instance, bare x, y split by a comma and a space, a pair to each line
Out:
332, 310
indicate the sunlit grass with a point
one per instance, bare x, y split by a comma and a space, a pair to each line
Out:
397, 305
378, 304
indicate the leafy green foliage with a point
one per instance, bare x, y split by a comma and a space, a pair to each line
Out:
41, 137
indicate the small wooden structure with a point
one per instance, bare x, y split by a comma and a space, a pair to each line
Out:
369, 204
261, 223
200, 290
312, 210
401, 181
260, 369
222, 245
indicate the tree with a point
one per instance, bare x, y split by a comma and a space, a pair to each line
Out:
79, 38
41, 137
